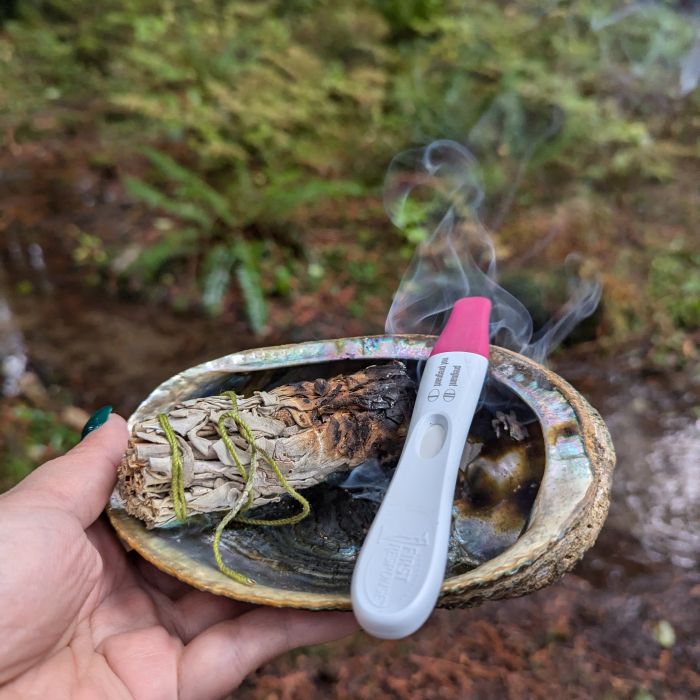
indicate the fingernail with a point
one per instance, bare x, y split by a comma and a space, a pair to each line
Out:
97, 419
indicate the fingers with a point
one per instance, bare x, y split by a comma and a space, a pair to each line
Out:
197, 611
166, 584
82, 480
218, 660
188, 612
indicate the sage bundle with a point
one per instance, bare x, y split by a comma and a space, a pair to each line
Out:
230, 454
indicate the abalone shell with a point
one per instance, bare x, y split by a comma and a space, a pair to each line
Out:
525, 510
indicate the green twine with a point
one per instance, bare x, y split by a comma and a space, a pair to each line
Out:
177, 482
178, 488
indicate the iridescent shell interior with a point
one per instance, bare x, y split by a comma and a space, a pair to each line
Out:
525, 509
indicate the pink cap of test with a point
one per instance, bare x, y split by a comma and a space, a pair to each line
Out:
467, 328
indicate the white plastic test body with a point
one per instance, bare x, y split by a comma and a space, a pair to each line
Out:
399, 571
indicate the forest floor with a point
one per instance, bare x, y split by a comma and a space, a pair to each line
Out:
624, 624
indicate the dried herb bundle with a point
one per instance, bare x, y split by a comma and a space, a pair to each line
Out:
311, 429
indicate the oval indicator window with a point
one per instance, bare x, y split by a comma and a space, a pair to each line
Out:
433, 440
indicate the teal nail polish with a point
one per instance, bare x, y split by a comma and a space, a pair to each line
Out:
97, 419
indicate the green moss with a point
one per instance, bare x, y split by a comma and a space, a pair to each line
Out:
674, 282
30, 436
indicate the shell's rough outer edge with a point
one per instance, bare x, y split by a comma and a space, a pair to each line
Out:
578, 449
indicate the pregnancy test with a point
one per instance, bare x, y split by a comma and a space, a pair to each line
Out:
399, 571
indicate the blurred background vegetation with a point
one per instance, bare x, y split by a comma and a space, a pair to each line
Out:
232, 153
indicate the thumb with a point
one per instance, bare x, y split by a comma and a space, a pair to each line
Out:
82, 480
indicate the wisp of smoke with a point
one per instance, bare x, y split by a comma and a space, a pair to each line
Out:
441, 186
657, 41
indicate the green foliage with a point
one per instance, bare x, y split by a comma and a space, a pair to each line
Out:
262, 116
674, 281
249, 280
30, 436
42, 425
412, 219
217, 221
213, 235
255, 89
673, 296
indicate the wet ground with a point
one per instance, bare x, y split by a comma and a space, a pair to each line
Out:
655, 426
625, 622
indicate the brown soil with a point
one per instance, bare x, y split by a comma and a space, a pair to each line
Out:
572, 640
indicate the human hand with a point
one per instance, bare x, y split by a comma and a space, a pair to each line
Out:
79, 617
